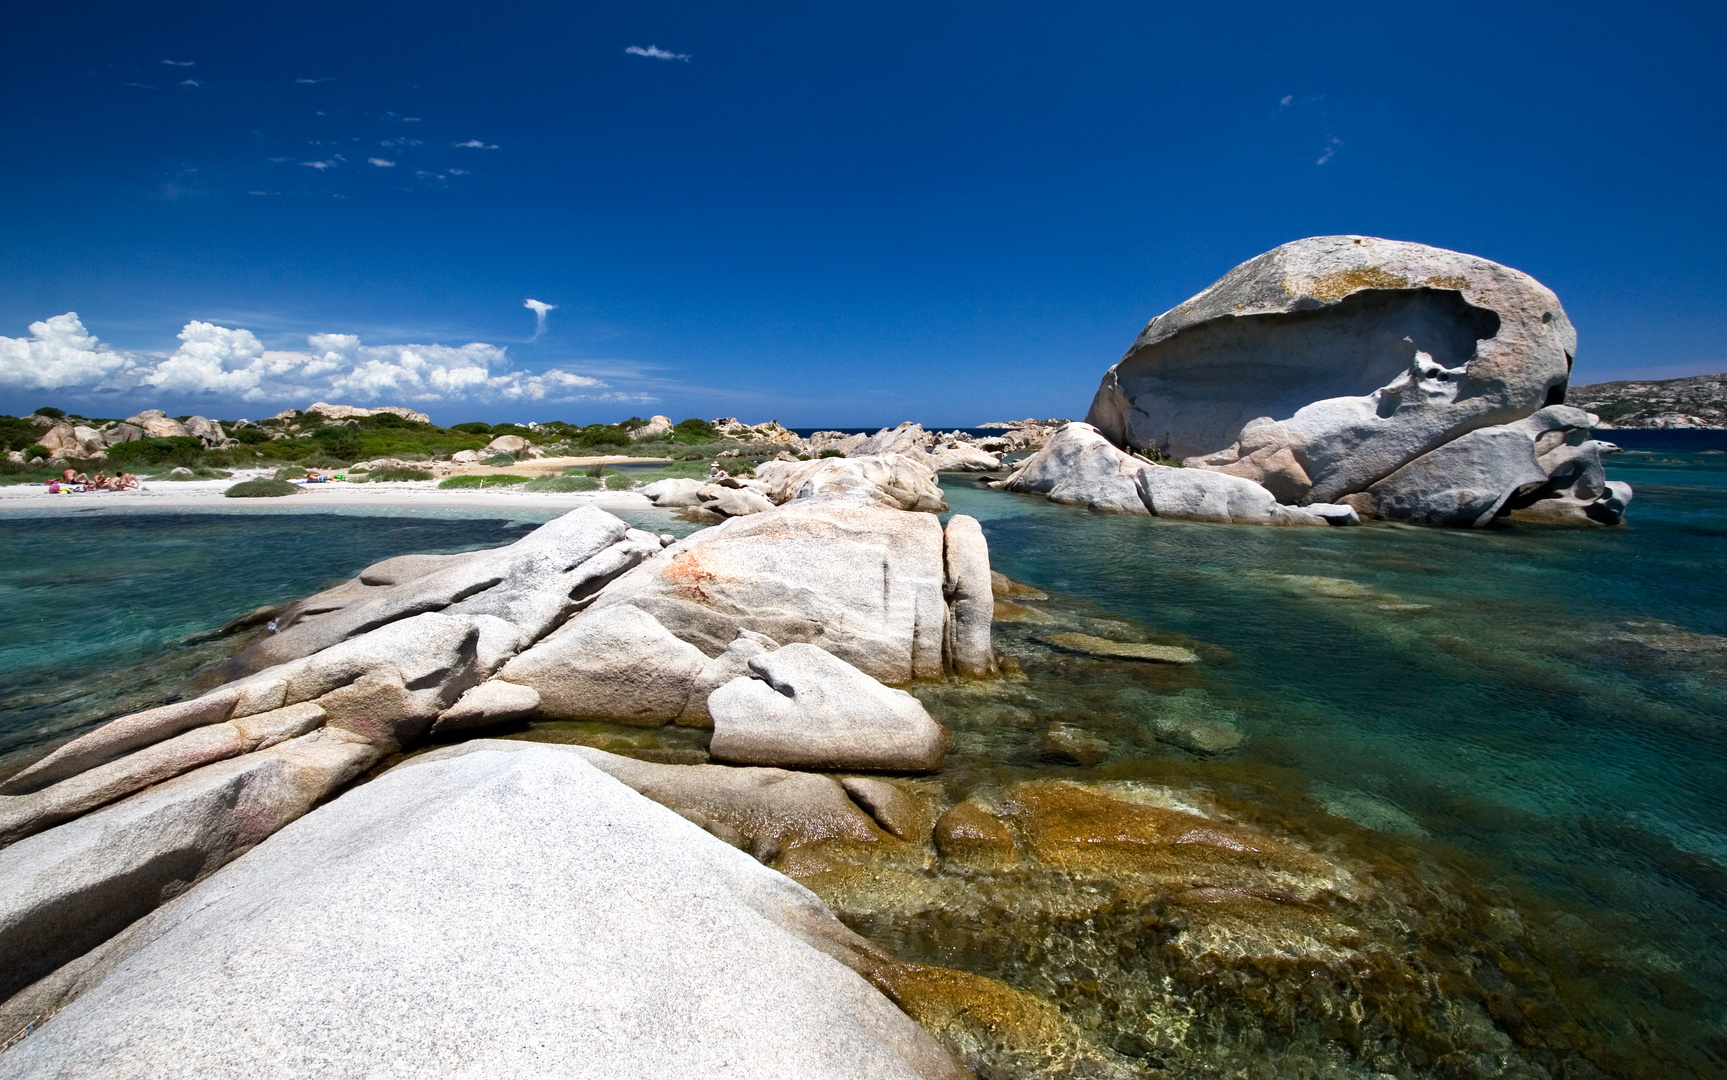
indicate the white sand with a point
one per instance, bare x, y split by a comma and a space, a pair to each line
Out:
335, 497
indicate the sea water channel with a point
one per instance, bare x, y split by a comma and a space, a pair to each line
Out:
1516, 738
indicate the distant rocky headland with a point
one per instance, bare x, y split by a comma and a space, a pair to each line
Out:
1698, 401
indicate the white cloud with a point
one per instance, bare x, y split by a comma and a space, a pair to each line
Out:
475, 144
1288, 100
403, 141
313, 82
656, 53
180, 63
190, 82
539, 309
381, 163
59, 352
1330, 150
231, 363
319, 165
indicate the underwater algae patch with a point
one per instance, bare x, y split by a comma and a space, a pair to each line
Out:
1192, 913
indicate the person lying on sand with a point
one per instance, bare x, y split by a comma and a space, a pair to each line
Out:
312, 477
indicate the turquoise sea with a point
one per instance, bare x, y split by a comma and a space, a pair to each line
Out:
1528, 722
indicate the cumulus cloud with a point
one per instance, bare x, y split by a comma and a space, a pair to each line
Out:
475, 144
539, 309
59, 352
654, 52
232, 363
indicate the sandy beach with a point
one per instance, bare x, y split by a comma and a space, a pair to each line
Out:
207, 496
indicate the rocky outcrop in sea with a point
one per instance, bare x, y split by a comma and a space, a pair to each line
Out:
1403, 381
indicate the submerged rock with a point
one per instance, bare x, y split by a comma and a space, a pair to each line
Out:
562, 900
1123, 650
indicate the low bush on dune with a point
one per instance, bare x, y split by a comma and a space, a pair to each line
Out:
565, 483
262, 488
380, 475
501, 480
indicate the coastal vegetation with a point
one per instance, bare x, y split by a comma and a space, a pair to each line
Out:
261, 488
454, 482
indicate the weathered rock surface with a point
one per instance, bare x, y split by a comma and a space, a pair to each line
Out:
970, 594
1477, 477
64, 891
535, 584
908, 438
653, 429
355, 412
1367, 353
1078, 465
903, 481
863, 581
808, 708
962, 457
675, 491
562, 900
157, 424
617, 663
507, 444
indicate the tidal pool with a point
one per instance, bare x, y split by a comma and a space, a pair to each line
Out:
1430, 803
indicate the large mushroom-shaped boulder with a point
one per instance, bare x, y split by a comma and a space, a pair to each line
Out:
1356, 355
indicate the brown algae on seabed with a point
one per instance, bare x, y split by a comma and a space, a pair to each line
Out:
1099, 884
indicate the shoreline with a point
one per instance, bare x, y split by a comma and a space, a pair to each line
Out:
32, 500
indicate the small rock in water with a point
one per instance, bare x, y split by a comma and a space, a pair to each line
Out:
968, 831
1005, 588
1123, 650
1009, 612
1188, 720
1366, 810
1069, 745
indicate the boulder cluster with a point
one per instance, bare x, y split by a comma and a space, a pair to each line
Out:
1401, 381
787, 632
64, 439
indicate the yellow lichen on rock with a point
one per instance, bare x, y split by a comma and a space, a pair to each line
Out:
1335, 286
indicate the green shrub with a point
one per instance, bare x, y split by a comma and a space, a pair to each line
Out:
252, 436
831, 452
262, 488
563, 484
173, 450
36, 450
472, 427
498, 461
377, 475
499, 480
694, 430
340, 442
291, 472
51, 413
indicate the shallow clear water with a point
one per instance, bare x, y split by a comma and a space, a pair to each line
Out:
1515, 735
103, 613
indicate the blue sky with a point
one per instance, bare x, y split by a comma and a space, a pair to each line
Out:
821, 213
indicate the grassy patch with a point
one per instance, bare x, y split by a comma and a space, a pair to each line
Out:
566, 483
380, 475
262, 488
502, 480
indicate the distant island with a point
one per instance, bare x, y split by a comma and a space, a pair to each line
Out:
1698, 401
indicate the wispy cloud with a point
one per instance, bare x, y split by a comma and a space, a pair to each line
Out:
143, 86
314, 82
381, 163
404, 141
180, 63
654, 52
475, 144
1287, 101
231, 363
1330, 150
319, 165
190, 82
539, 309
